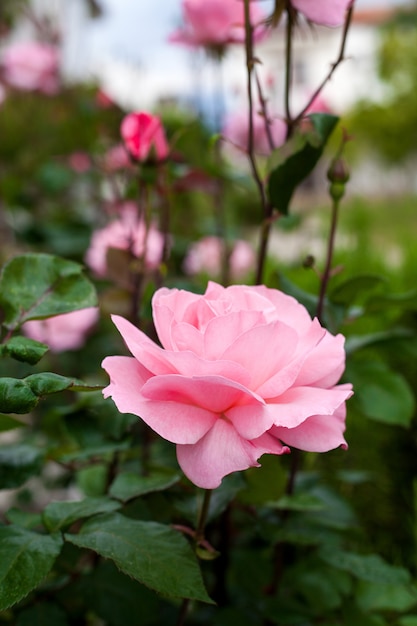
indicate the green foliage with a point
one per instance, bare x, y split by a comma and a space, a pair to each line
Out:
151, 553
38, 286
291, 164
26, 558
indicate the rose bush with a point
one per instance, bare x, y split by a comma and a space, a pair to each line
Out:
242, 371
325, 12
32, 66
144, 136
216, 23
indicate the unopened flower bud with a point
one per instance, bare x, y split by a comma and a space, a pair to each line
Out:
338, 175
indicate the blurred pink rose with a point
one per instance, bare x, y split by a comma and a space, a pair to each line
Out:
242, 371
116, 158
236, 130
216, 23
144, 136
127, 232
63, 332
32, 66
79, 162
326, 12
205, 256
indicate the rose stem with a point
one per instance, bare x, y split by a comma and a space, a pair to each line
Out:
198, 537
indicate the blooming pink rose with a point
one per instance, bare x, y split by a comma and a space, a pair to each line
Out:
32, 66
326, 12
236, 130
144, 136
126, 233
242, 371
216, 23
205, 255
63, 332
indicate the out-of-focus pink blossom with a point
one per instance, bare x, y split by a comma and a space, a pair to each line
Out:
205, 256
116, 158
242, 371
216, 23
129, 233
79, 162
32, 66
236, 130
325, 12
144, 136
103, 100
2, 94
63, 332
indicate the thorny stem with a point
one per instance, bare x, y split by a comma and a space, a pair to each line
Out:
339, 60
267, 209
330, 249
198, 538
264, 110
288, 68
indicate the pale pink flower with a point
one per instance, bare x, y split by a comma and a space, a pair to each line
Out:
32, 66
325, 12
216, 23
63, 332
242, 371
79, 162
116, 158
128, 232
205, 256
236, 131
144, 136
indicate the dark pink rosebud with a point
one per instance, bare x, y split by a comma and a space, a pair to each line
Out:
144, 136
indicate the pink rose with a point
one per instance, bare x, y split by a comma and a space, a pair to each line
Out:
216, 23
63, 332
126, 233
144, 136
242, 371
116, 158
326, 12
205, 255
32, 66
79, 162
236, 130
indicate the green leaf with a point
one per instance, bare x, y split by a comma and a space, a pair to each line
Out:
385, 597
298, 502
352, 289
35, 286
16, 396
24, 349
25, 519
371, 567
151, 553
381, 394
129, 485
358, 342
293, 162
46, 383
42, 614
26, 558
9, 423
119, 600
18, 463
58, 515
